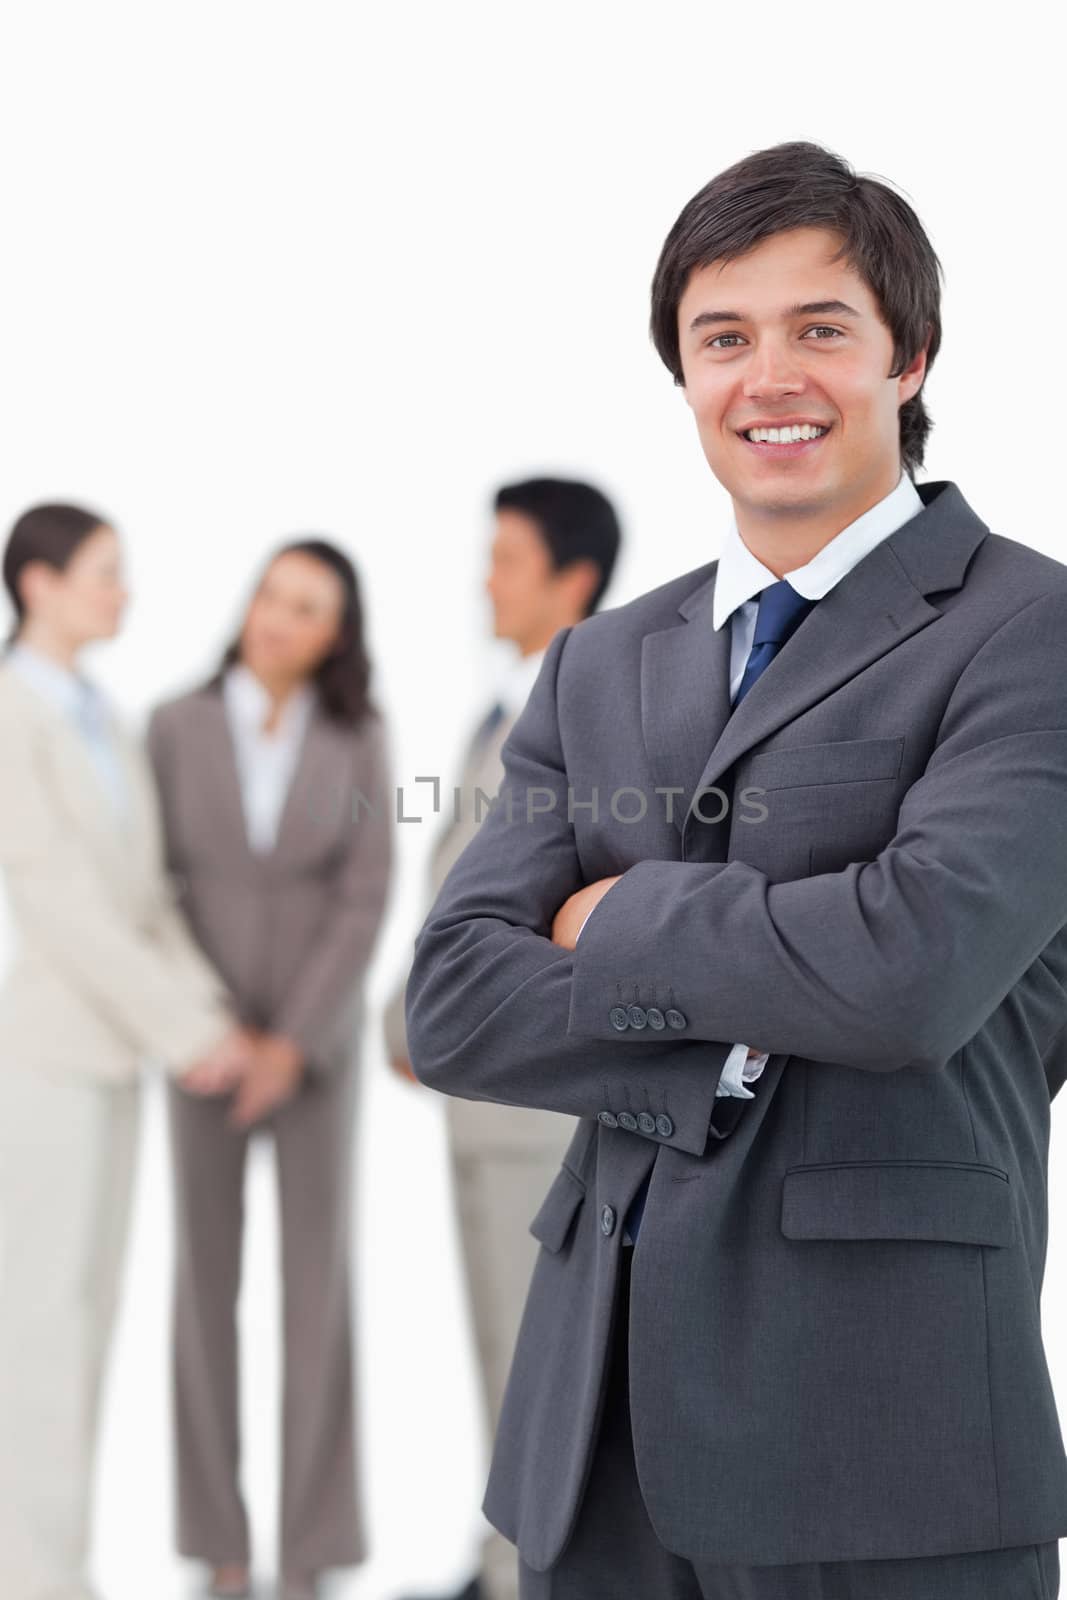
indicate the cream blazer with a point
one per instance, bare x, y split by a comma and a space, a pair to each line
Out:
103, 973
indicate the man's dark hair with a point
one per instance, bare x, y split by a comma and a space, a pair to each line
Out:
50, 534
804, 185
576, 521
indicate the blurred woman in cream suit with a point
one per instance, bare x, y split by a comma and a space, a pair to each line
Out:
103, 975
278, 821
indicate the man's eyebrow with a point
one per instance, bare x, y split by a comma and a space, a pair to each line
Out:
808, 308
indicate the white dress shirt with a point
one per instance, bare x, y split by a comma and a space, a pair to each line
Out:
518, 680
739, 581
266, 761
81, 702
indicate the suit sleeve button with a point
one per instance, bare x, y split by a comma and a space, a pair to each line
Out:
656, 1019
628, 1121
608, 1118
638, 1016
675, 1018
619, 1018
664, 1125
646, 1122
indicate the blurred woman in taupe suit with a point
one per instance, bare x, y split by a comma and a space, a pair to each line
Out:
276, 801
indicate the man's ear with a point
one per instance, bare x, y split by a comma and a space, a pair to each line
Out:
913, 376
582, 578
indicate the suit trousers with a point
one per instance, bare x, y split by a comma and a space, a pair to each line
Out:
67, 1159
614, 1554
503, 1159
320, 1517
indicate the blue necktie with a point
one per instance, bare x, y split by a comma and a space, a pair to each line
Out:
781, 611
489, 724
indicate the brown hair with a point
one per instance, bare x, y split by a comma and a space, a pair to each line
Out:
342, 678
47, 533
803, 185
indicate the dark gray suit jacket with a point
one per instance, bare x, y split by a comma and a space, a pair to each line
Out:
836, 1349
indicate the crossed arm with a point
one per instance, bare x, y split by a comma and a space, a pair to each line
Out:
891, 963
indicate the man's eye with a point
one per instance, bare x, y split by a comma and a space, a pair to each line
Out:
821, 328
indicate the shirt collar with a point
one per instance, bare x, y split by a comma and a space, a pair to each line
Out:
63, 688
249, 702
740, 576
518, 680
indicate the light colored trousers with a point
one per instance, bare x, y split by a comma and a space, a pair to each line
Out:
67, 1157
503, 1159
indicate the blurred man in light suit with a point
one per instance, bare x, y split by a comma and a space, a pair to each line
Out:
553, 551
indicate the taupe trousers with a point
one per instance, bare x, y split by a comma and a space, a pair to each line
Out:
313, 1139
291, 931
502, 1159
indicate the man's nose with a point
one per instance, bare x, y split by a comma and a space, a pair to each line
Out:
774, 369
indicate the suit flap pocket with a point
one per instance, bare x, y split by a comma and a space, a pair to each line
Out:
958, 1201
843, 761
552, 1223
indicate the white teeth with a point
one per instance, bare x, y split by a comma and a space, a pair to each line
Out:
784, 435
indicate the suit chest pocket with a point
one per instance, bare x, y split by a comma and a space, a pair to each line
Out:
817, 808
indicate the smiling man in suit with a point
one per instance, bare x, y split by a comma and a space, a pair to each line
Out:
774, 899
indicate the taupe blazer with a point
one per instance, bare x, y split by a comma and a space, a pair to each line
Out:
104, 972
476, 1126
292, 929
481, 772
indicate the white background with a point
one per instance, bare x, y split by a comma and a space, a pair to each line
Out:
340, 268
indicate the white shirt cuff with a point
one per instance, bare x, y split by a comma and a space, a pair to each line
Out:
738, 1071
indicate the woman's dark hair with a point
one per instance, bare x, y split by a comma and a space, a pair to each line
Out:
576, 521
343, 677
804, 185
48, 533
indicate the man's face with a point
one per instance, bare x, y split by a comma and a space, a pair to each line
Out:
522, 582
765, 361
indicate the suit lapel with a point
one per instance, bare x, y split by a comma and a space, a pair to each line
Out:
317, 792
220, 768
691, 735
78, 781
685, 697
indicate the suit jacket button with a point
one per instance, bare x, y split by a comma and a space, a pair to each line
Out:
608, 1118
675, 1018
638, 1016
655, 1016
619, 1018
664, 1125
646, 1122
607, 1221
628, 1121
